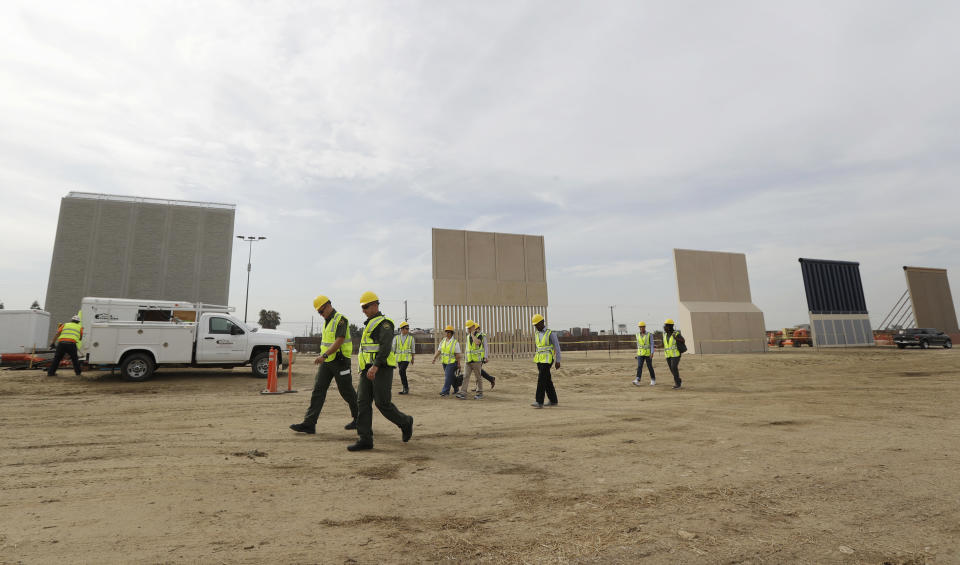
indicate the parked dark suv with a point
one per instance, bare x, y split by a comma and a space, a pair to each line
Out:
922, 338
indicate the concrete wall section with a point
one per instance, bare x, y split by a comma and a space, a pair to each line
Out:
496, 279
932, 301
129, 247
716, 314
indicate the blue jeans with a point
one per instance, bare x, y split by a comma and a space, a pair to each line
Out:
649, 362
449, 372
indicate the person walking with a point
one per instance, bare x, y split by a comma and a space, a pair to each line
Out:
449, 353
377, 361
644, 354
404, 347
486, 357
548, 352
333, 363
68, 335
474, 361
672, 341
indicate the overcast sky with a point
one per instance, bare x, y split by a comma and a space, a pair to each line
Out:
344, 131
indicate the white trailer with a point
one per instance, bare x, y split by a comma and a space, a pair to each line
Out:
138, 336
23, 331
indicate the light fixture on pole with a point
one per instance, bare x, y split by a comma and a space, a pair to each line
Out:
250, 239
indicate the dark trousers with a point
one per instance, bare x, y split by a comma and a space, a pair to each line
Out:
649, 361
65, 348
486, 375
674, 364
402, 365
377, 392
545, 383
335, 370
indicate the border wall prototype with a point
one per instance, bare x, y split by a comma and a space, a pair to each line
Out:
717, 314
835, 300
131, 247
497, 279
931, 298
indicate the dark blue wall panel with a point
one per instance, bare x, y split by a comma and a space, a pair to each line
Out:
833, 287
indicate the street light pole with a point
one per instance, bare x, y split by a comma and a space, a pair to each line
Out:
249, 239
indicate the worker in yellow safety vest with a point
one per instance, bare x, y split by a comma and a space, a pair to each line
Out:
448, 350
672, 342
475, 354
377, 361
548, 353
67, 338
404, 346
644, 354
336, 347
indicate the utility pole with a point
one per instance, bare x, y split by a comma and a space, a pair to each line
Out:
405, 319
250, 239
612, 331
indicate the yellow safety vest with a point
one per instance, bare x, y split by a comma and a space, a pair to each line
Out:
369, 349
670, 345
448, 351
474, 349
404, 348
483, 352
643, 344
72, 331
329, 336
545, 351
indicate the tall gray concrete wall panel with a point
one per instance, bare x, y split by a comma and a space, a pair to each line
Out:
931, 298
128, 247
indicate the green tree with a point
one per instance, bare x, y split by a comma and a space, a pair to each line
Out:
35, 305
269, 319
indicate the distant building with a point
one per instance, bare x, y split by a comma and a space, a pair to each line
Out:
132, 247
576, 332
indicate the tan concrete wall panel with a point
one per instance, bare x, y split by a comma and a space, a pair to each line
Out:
449, 292
513, 293
535, 263
483, 292
449, 254
481, 255
536, 294
510, 257
932, 300
714, 294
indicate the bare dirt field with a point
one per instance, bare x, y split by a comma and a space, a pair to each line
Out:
847, 456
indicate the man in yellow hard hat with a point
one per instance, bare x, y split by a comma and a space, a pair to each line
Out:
334, 365
673, 347
644, 354
548, 353
377, 361
449, 353
475, 350
67, 338
404, 346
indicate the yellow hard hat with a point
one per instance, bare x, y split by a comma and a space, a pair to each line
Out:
368, 297
449, 328
469, 324
319, 301
403, 325
669, 322
641, 324
537, 318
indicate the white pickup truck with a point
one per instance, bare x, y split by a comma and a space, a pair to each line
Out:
140, 335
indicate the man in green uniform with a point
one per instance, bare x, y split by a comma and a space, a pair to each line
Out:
377, 361
334, 364
673, 347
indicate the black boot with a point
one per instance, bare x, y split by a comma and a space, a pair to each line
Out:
304, 428
360, 446
351, 426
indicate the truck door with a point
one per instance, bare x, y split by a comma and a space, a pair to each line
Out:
220, 340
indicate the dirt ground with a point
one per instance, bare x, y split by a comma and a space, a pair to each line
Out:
845, 456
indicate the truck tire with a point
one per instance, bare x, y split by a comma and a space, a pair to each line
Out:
137, 367
947, 344
924, 344
901, 345
260, 364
